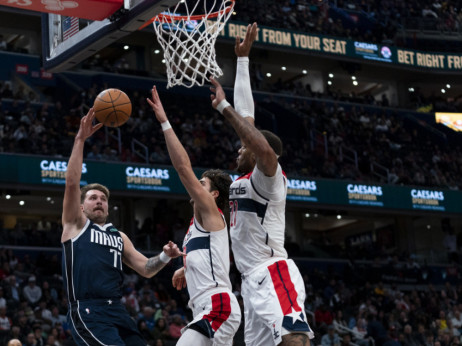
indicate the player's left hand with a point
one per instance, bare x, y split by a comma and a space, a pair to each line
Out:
218, 93
243, 48
156, 106
87, 128
172, 250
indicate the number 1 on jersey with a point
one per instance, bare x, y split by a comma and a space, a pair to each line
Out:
117, 258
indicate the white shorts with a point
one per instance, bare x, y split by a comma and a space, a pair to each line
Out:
217, 316
274, 297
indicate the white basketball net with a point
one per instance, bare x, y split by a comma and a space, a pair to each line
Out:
189, 45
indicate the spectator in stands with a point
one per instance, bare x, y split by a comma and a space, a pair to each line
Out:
32, 292
176, 326
331, 338
3, 44
161, 330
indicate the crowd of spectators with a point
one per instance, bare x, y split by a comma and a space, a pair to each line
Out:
364, 20
406, 152
344, 304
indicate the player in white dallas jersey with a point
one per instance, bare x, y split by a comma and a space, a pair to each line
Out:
216, 312
272, 287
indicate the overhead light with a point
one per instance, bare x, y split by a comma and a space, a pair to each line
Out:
304, 71
428, 226
163, 61
355, 82
8, 196
156, 51
21, 202
448, 86
307, 215
315, 215
339, 217
329, 82
411, 90
234, 13
283, 68
115, 207
331, 75
268, 74
48, 199
353, 77
126, 47
443, 91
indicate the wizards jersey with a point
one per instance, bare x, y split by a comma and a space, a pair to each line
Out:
207, 259
257, 218
92, 263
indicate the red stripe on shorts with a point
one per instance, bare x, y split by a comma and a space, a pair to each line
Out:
284, 287
221, 309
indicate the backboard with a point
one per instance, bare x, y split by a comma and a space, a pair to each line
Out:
68, 41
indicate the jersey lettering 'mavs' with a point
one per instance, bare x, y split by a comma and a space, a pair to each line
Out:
92, 263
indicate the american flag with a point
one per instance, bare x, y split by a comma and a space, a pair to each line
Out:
70, 27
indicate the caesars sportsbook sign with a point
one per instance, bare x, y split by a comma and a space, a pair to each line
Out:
138, 178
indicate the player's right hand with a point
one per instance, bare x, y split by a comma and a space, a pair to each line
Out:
218, 93
156, 106
179, 279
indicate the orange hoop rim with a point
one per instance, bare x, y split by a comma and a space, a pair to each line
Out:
169, 18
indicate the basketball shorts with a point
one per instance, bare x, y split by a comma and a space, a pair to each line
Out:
216, 316
103, 322
274, 297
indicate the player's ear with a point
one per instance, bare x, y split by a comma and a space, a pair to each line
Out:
215, 193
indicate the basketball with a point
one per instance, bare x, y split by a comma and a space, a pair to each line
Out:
112, 107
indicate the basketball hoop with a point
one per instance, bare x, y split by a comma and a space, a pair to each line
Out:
187, 34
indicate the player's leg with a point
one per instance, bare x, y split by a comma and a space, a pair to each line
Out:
192, 337
224, 334
295, 339
92, 325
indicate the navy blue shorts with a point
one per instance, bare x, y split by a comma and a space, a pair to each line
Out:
103, 322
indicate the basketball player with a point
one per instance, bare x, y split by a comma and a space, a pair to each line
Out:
216, 312
272, 287
93, 252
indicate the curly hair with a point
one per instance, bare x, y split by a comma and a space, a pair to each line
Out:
220, 182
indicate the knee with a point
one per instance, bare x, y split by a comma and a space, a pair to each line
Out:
295, 339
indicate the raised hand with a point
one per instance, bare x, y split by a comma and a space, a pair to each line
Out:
87, 129
156, 106
243, 48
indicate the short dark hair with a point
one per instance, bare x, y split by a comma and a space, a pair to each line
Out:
274, 141
99, 187
220, 182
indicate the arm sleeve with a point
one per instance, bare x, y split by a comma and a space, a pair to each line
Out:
243, 99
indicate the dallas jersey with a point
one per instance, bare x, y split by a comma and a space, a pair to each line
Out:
257, 218
92, 263
207, 260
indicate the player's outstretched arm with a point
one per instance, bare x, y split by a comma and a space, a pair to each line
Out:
203, 201
72, 214
148, 267
243, 99
266, 158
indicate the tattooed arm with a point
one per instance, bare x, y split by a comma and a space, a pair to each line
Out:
148, 267
250, 136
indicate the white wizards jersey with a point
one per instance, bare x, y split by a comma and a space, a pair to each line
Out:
207, 259
257, 218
